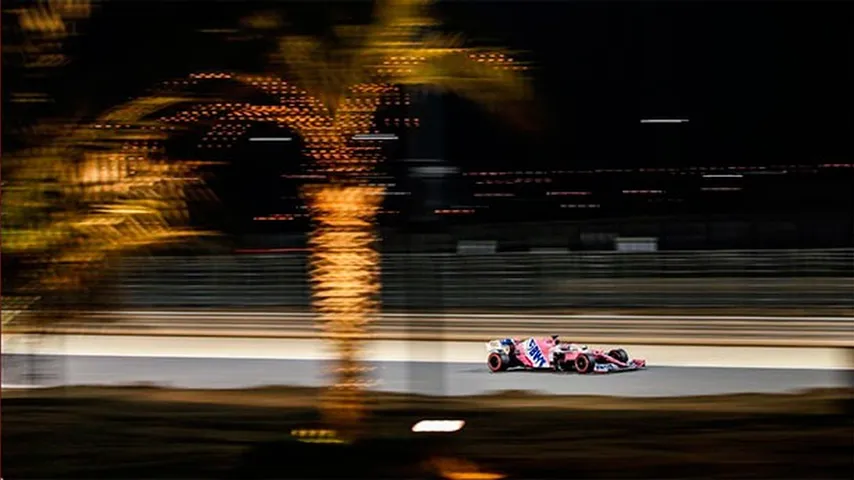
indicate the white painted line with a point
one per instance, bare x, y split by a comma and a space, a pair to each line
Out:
230, 314
664, 120
375, 136
270, 139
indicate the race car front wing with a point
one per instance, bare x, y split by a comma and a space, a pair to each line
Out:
613, 367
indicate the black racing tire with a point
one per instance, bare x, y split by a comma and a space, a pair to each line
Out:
619, 354
584, 364
497, 362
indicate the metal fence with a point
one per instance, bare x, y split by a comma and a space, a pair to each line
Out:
775, 278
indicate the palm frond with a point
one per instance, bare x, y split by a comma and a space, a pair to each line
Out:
490, 78
56, 212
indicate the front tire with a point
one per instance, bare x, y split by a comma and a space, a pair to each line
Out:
619, 354
497, 362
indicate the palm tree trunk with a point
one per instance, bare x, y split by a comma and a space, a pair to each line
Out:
344, 270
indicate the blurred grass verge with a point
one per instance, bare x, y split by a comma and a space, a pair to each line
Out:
141, 432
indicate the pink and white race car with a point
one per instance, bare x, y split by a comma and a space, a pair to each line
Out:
549, 353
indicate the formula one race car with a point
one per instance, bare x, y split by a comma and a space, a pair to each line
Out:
543, 353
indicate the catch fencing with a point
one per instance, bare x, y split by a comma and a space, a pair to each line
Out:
502, 281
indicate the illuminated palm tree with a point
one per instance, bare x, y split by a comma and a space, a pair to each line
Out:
138, 199
348, 84
92, 192
84, 192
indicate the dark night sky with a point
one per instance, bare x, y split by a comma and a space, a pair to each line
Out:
762, 82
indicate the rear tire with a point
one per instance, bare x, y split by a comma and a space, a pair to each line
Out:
584, 364
497, 362
619, 354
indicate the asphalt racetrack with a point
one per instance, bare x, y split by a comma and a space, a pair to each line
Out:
430, 378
